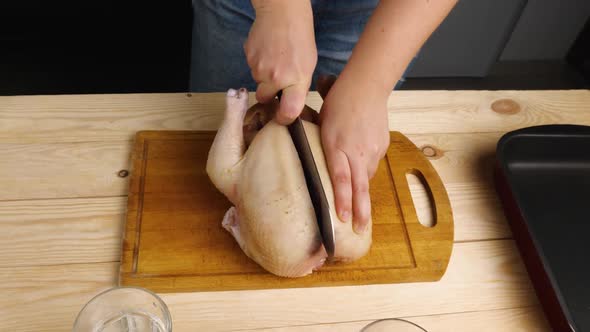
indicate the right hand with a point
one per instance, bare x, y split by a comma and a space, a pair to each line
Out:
281, 53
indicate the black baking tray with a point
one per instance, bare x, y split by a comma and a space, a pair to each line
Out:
542, 177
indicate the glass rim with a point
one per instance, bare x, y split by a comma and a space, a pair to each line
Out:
116, 288
390, 319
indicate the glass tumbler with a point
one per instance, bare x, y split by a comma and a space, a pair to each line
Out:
124, 309
392, 325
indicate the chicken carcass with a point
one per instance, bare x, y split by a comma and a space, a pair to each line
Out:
256, 166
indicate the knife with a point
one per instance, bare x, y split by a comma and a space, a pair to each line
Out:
314, 183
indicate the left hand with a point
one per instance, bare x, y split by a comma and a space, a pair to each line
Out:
355, 137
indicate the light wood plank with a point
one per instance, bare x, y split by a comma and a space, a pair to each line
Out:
514, 320
75, 118
422, 112
104, 117
63, 170
477, 211
462, 158
61, 231
47, 298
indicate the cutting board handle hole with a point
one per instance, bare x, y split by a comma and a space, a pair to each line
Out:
422, 198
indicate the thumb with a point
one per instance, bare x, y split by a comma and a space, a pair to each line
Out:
292, 103
266, 92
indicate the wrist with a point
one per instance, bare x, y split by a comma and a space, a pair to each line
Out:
371, 84
269, 5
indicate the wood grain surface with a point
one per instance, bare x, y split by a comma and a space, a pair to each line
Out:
483, 275
174, 241
38, 171
504, 320
62, 209
61, 231
118, 117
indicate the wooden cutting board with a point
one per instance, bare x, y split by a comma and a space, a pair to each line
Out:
174, 242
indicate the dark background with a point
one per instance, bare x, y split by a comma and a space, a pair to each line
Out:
68, 47
53, 47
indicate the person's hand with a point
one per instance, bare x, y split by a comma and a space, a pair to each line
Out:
282, 55
355, 137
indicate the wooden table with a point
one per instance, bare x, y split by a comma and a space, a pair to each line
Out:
62, 205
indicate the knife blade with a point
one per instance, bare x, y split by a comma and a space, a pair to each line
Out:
314, 183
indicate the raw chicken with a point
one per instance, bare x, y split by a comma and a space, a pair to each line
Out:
256, 166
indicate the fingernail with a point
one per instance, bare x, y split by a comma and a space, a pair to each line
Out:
359, 229
345, 215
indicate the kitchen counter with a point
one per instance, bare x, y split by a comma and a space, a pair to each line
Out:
63, 199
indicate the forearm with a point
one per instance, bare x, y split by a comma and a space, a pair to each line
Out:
392, 37
295, 7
